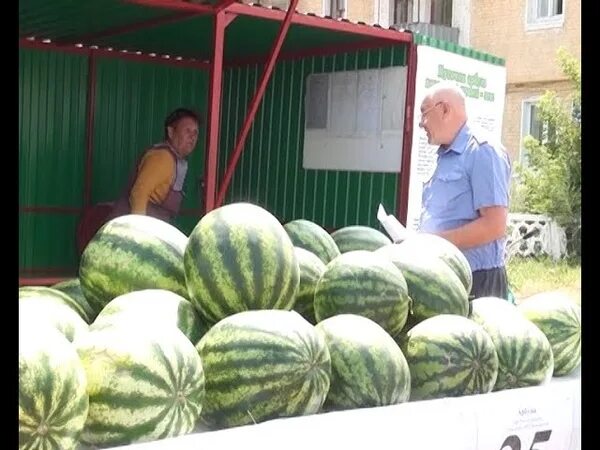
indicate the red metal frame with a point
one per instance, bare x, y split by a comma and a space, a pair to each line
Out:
104, 53
321, 51
319, 22
260, 91
214, 112
89, 129
404, 181
224, 12
40, 281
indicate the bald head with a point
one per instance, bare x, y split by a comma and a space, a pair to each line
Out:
443, 113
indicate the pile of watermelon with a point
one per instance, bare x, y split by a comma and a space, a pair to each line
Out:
248, 319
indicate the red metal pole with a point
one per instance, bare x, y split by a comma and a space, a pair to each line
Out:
239, 146
404, 181
91, 108
214, 105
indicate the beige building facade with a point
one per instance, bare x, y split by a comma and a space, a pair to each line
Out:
527, 34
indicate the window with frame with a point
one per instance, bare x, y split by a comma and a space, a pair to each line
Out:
441, 12
532, 125
545, 13
338, 9
403, 11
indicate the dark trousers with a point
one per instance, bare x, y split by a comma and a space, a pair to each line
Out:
490, 283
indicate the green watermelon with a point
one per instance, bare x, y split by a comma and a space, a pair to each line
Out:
524, 353
55, 295
72, 288
366, 284
311, 269
559, 318
358, 237
419, 243
312, 237
368, 368
152, 306
50, 310
144, 383
131, 253
53, 402
433, 287
239, 258
449, 356
261, 365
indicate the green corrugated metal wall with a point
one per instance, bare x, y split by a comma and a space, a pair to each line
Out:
52, 110
132, 100
270, 171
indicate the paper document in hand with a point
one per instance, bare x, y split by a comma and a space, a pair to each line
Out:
392, 226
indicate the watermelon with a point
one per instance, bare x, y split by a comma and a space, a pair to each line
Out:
312, 237
240, 258
433, 287
50, 310
131, 253
311, 269
366, 284
152, 306
55, 295
144, 383
368, 369
449, 356
261, 365
419, 243
53, 402
72, 288
358, 237
559, 318
524, 353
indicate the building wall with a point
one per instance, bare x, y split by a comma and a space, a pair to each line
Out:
532, 66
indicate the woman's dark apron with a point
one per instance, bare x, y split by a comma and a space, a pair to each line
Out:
169, 208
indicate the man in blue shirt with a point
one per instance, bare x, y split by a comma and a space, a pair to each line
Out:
466, 199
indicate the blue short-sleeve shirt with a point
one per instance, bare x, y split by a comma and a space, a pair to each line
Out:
470, 174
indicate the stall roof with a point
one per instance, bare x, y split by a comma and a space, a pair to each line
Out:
184, 29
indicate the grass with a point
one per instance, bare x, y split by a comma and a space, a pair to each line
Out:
529, 276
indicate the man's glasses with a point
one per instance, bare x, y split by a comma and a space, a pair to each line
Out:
428, 110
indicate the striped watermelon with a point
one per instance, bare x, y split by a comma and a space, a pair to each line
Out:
449, 356
152, 306
144, 383
433, 287
559, 318
524, 353
368, 368
312, 237
72, 288
55, 295
50, 310
358, 237
239, 258
131, 253
366, 284
261, 365
311, 269
53, 402
419, 243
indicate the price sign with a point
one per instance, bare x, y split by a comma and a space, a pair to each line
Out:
525, 419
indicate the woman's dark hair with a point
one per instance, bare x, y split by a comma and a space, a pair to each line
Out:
178, 114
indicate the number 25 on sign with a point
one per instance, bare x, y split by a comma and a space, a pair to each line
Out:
513, 442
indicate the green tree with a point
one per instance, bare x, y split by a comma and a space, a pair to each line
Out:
551, 179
